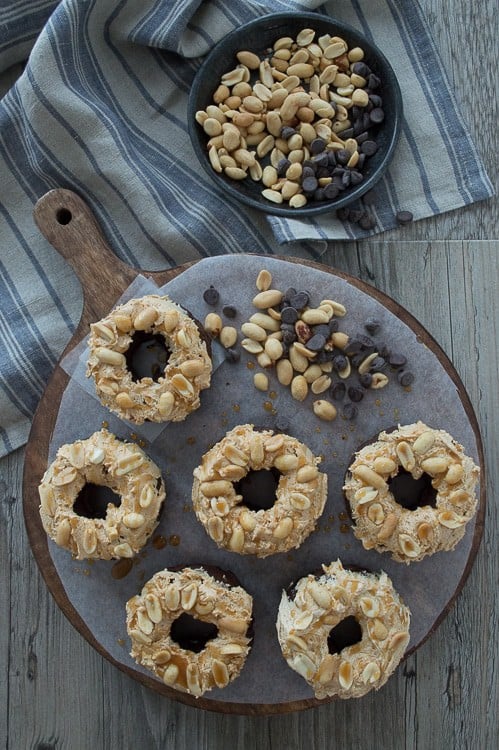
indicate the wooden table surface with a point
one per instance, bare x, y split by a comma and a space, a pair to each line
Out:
57, 692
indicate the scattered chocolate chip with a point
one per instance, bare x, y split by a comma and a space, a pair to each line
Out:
405, 378
366, 379
404, 217
339, 362
396, 360
356, 177
211, 296
338, 391
349, 410
378, 364
343, 156
372, 325
287, 296
287, 132
361, 69
355, 393
342, 214
309, 184
232, 355
333, 325
355, 215
369, 148
377, 115
373, 81
319, 194
229, 311
282, 167
331, 192
367, 221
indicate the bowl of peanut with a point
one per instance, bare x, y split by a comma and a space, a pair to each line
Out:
295, 114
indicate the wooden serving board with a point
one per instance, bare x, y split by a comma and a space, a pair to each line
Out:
68, 224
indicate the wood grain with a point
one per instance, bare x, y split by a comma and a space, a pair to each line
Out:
446, 695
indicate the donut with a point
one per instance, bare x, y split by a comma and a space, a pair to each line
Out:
166, 392
125, 469
300, 493
425, 454
343, 631
191, 627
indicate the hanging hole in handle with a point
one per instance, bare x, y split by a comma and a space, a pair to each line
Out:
63, 216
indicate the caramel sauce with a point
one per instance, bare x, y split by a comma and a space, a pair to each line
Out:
343, 515
236, 408
191, 441
174, 540
121, 568
159, 542
250, 365
344, 528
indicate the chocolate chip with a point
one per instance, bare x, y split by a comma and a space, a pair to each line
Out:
373, 81
369, 148
404, 217
378, 364
287, 132
333, 325
211, 296
319, 195
367, 221
377, 115
289, 315
331, 159
229, 311
232, 355
309, 184
369, 198
300, 300
349, 410
338, 391
316, 343
405, 378
396, 360
366, 379
356, 177
331, 192
343, 156
355, 215
317, 146
287, 295
355, 393
339, 362
322, 329
361, 69
372, 325
282, 167
376, 100
322, 160
288, 336
345, 179
342, 214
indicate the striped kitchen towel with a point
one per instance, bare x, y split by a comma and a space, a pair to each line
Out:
101, 108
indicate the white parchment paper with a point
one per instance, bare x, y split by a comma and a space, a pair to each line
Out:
426, 587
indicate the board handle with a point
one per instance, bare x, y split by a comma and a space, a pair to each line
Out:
69, 225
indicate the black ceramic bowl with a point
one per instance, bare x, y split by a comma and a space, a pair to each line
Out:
257, 36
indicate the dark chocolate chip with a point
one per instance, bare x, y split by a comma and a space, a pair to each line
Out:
339, 362
331, 159
322, 160
369, 198
377, 115
373, 81
322, 329
309, 184
404, 217
211, 296
364, 136
345, 134
333, 325
331, 192
378, 364
287, 132
405, 378
338, 391
361, 69
309, 164
366, 379
355, 393
367, 221
342, 214
317, 146
396, 360
343, 156
376, 100
308, 172
232, 355
355, 215
229, 311
356, 177
288, 337
282, 167
372, 325
369, 148
349, 410
345, 178
299, 300
287, 295
319, 195
316, 343
289, 315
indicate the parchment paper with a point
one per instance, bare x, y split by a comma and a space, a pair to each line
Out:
426, 586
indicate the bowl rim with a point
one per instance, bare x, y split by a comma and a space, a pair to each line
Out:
239, 197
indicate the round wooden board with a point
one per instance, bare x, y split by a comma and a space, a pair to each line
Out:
67, 223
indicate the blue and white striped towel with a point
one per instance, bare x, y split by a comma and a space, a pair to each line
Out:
101, 109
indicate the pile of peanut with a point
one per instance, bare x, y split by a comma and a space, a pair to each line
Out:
267, 112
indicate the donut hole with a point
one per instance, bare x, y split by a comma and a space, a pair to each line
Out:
412, 493
346, 633
147, 356
93, 499
258, 488
192, 634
